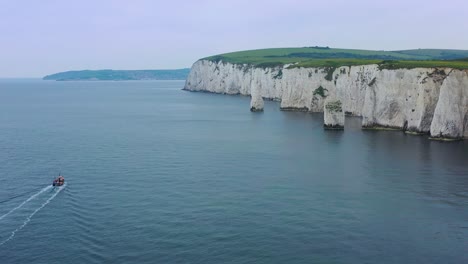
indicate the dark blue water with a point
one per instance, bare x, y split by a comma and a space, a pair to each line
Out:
158, 175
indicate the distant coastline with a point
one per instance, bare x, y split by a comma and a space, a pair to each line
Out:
119, 75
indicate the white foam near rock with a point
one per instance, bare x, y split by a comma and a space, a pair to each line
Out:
420, 100
333, 115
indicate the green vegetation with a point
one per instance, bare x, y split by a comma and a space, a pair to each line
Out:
329, 70
119, 75
279, 75
334, 106
320, 91
458, 64
435, 54
332, 63
309, 57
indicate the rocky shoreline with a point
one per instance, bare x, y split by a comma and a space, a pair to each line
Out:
430, 101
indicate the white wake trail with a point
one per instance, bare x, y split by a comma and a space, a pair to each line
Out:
31, 215
27, 200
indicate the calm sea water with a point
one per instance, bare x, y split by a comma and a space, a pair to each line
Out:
159, 175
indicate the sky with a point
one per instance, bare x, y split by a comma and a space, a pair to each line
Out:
48, 36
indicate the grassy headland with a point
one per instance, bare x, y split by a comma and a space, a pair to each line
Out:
328, 57
119, 75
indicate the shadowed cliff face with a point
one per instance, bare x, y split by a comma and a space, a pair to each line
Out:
450, 114
420, 100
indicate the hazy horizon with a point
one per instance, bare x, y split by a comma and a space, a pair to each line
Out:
45, 37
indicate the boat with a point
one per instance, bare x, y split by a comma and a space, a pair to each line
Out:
59, 181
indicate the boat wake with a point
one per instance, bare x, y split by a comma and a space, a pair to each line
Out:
26, 201
14, 197
26, 221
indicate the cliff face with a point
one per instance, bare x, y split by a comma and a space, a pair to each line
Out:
421, 100
451, 113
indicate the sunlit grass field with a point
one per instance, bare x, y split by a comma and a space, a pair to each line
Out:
328, 57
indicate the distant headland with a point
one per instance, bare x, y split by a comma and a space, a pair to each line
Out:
119, 75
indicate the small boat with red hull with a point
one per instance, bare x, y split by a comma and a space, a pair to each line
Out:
59, 181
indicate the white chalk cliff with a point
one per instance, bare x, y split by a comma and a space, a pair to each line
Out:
420, 100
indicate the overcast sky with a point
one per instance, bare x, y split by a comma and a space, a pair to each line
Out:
48, 36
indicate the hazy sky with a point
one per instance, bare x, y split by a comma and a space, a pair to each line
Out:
40, 37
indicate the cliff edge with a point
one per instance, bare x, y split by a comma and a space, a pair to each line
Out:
418, 100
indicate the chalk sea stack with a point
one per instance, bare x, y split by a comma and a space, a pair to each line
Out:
256, 101
333, 115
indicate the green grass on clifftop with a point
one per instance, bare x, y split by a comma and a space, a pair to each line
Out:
328, 57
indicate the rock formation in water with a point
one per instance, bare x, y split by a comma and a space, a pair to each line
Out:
333, 115
256, 102
419, 100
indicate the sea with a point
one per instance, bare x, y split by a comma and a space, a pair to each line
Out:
155, 174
